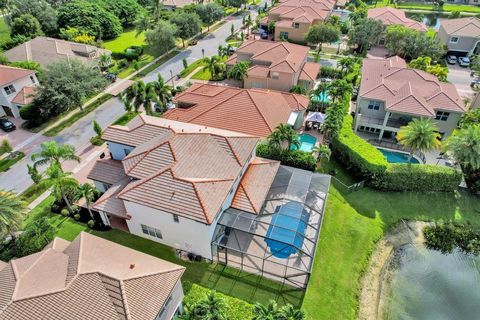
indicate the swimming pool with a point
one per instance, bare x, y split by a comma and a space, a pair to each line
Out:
322, 97
397, 157
307, 142
287, 230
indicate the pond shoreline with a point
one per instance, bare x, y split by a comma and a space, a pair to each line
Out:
376, 279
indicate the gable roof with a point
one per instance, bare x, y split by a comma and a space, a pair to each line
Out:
260, 110
467, 27
310, 71
406, 90
89, 278
24, 96
180, 168
10, 74
392, 16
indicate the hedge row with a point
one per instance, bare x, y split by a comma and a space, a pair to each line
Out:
292, 158
366, 161
235, 309
330, 72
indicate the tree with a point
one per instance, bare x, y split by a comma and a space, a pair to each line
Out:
26, 25
163, 92
5, 146
323, 152
321, 90
248, 23
321, 33
40, 9
88, 192
338, 89
34, 174
238, 71
162, 37
212, 64
66, 85
125, 10
365, 33
298, 90
475, 64
347, 64
105, 61
420, 134
12, 212
188, 25
284, 134
143, 23
90, 17
464, 146
232, 30
76, 35
209, 13
470, 118
61, 183
53, 153
236, 3
425, 64
97, 128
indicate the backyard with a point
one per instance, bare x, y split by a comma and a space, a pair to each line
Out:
4, 31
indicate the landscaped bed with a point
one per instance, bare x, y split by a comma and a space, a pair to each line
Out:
10, 160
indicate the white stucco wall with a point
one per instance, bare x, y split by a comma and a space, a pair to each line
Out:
5, 100
118, 150
175, 304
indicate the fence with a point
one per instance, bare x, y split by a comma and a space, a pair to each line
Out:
347, 189
396, 146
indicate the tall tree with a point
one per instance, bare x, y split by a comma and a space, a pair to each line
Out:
162, 90
411, 44
239, 71
125, 10
338, 89
322, 33
287, 135
209, 13
61, 182
88, 192
40, 9
12, 212
188, 25
53, 153
420, 134
26, 25
425, 64
365, 33
162, 37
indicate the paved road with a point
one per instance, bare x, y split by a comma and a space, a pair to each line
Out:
460, 77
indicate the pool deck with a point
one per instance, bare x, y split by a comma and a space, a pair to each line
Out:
313, 133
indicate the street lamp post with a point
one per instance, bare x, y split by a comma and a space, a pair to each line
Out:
171, 74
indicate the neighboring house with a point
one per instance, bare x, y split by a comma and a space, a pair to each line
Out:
89, 278
17, 89
391, 95
276, 65
46, 50
461, 35
293, 18
249, 111
390, 16
171, 182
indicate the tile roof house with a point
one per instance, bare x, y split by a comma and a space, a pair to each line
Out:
276, 65
293, 18
89, 278
17, 87
174, 177
250, 111
460, 35
46, 50
391, 95
392, 16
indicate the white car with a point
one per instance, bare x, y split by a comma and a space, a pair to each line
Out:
464, 61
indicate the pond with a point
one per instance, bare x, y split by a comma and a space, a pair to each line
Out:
429, 285
429, 19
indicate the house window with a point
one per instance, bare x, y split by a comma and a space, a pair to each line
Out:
275, 75
283, 35
453, 39
9, 89
374, 105
442, 115
32, 78
127, 151
476, 1
175, 218
151, 231
296, 25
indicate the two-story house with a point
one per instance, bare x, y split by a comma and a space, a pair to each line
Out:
90, 278
293, 18
17, 87
260, 111
461, 36
276, 65
391, 95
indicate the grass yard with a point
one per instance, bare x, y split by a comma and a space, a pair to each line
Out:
191, 67
427, 6
125, 118
10, 160
203, 74
4, 31
123, 41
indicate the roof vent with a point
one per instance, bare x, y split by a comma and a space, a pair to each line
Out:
132, 265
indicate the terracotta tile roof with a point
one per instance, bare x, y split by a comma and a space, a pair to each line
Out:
104, 285
392, 16
303, 10
260, 110
184, 169
107, 170
310, 71
110, 203
25, 96
46, 50
10, 74
406, 90
255, 184
468, 27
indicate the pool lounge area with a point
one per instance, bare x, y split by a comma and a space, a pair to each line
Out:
307, 142
279, 242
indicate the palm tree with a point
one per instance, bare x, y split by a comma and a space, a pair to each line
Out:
12, 212
53, 153
139, 90
288, 136
289, 312
213, 305
239, 71
127, 101
162, 90
248, 23
266, 312
346, 64
275, 139
419, 135
338, 88
211, 64
104, 61
323, 152
320, 93
61, 182
88, 192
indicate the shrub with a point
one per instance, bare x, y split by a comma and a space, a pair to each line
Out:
330, 72
292, 158
77, 216
64, 212
91, 224
96, 141
447, 237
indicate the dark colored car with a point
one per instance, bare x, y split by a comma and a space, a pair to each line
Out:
7, 125
264, 35
112, 77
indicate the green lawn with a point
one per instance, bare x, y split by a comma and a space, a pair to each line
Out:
427, 6
191, 67
4, 31
125, 40
125, 118
203, 74
9, 161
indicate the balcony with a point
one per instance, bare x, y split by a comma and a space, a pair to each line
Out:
378, 122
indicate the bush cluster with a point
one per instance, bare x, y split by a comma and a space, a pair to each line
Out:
364, 160
446, 237
330, 72
292, 158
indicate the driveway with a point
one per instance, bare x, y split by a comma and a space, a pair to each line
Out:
21, 139
460, 77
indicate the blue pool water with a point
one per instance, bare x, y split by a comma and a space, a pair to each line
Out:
307, 142
397, 157
322, 97
287, 230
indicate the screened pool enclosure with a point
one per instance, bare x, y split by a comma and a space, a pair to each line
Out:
279, 243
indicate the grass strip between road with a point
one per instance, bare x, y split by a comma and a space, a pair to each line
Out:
10, 160
52, 132
125, 118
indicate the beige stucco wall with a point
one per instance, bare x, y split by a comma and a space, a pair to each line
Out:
297, 35
464, 44
284, 83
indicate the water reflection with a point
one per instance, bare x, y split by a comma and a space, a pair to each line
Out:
429, 285
429, 19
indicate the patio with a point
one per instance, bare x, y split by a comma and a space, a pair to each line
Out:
280, 242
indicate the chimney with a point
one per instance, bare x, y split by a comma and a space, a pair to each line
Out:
132, 265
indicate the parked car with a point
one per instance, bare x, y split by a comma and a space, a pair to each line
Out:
264, 35
475, 83
112, 77
7, 125
231, 50
464, 62
452, 60
193, 42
